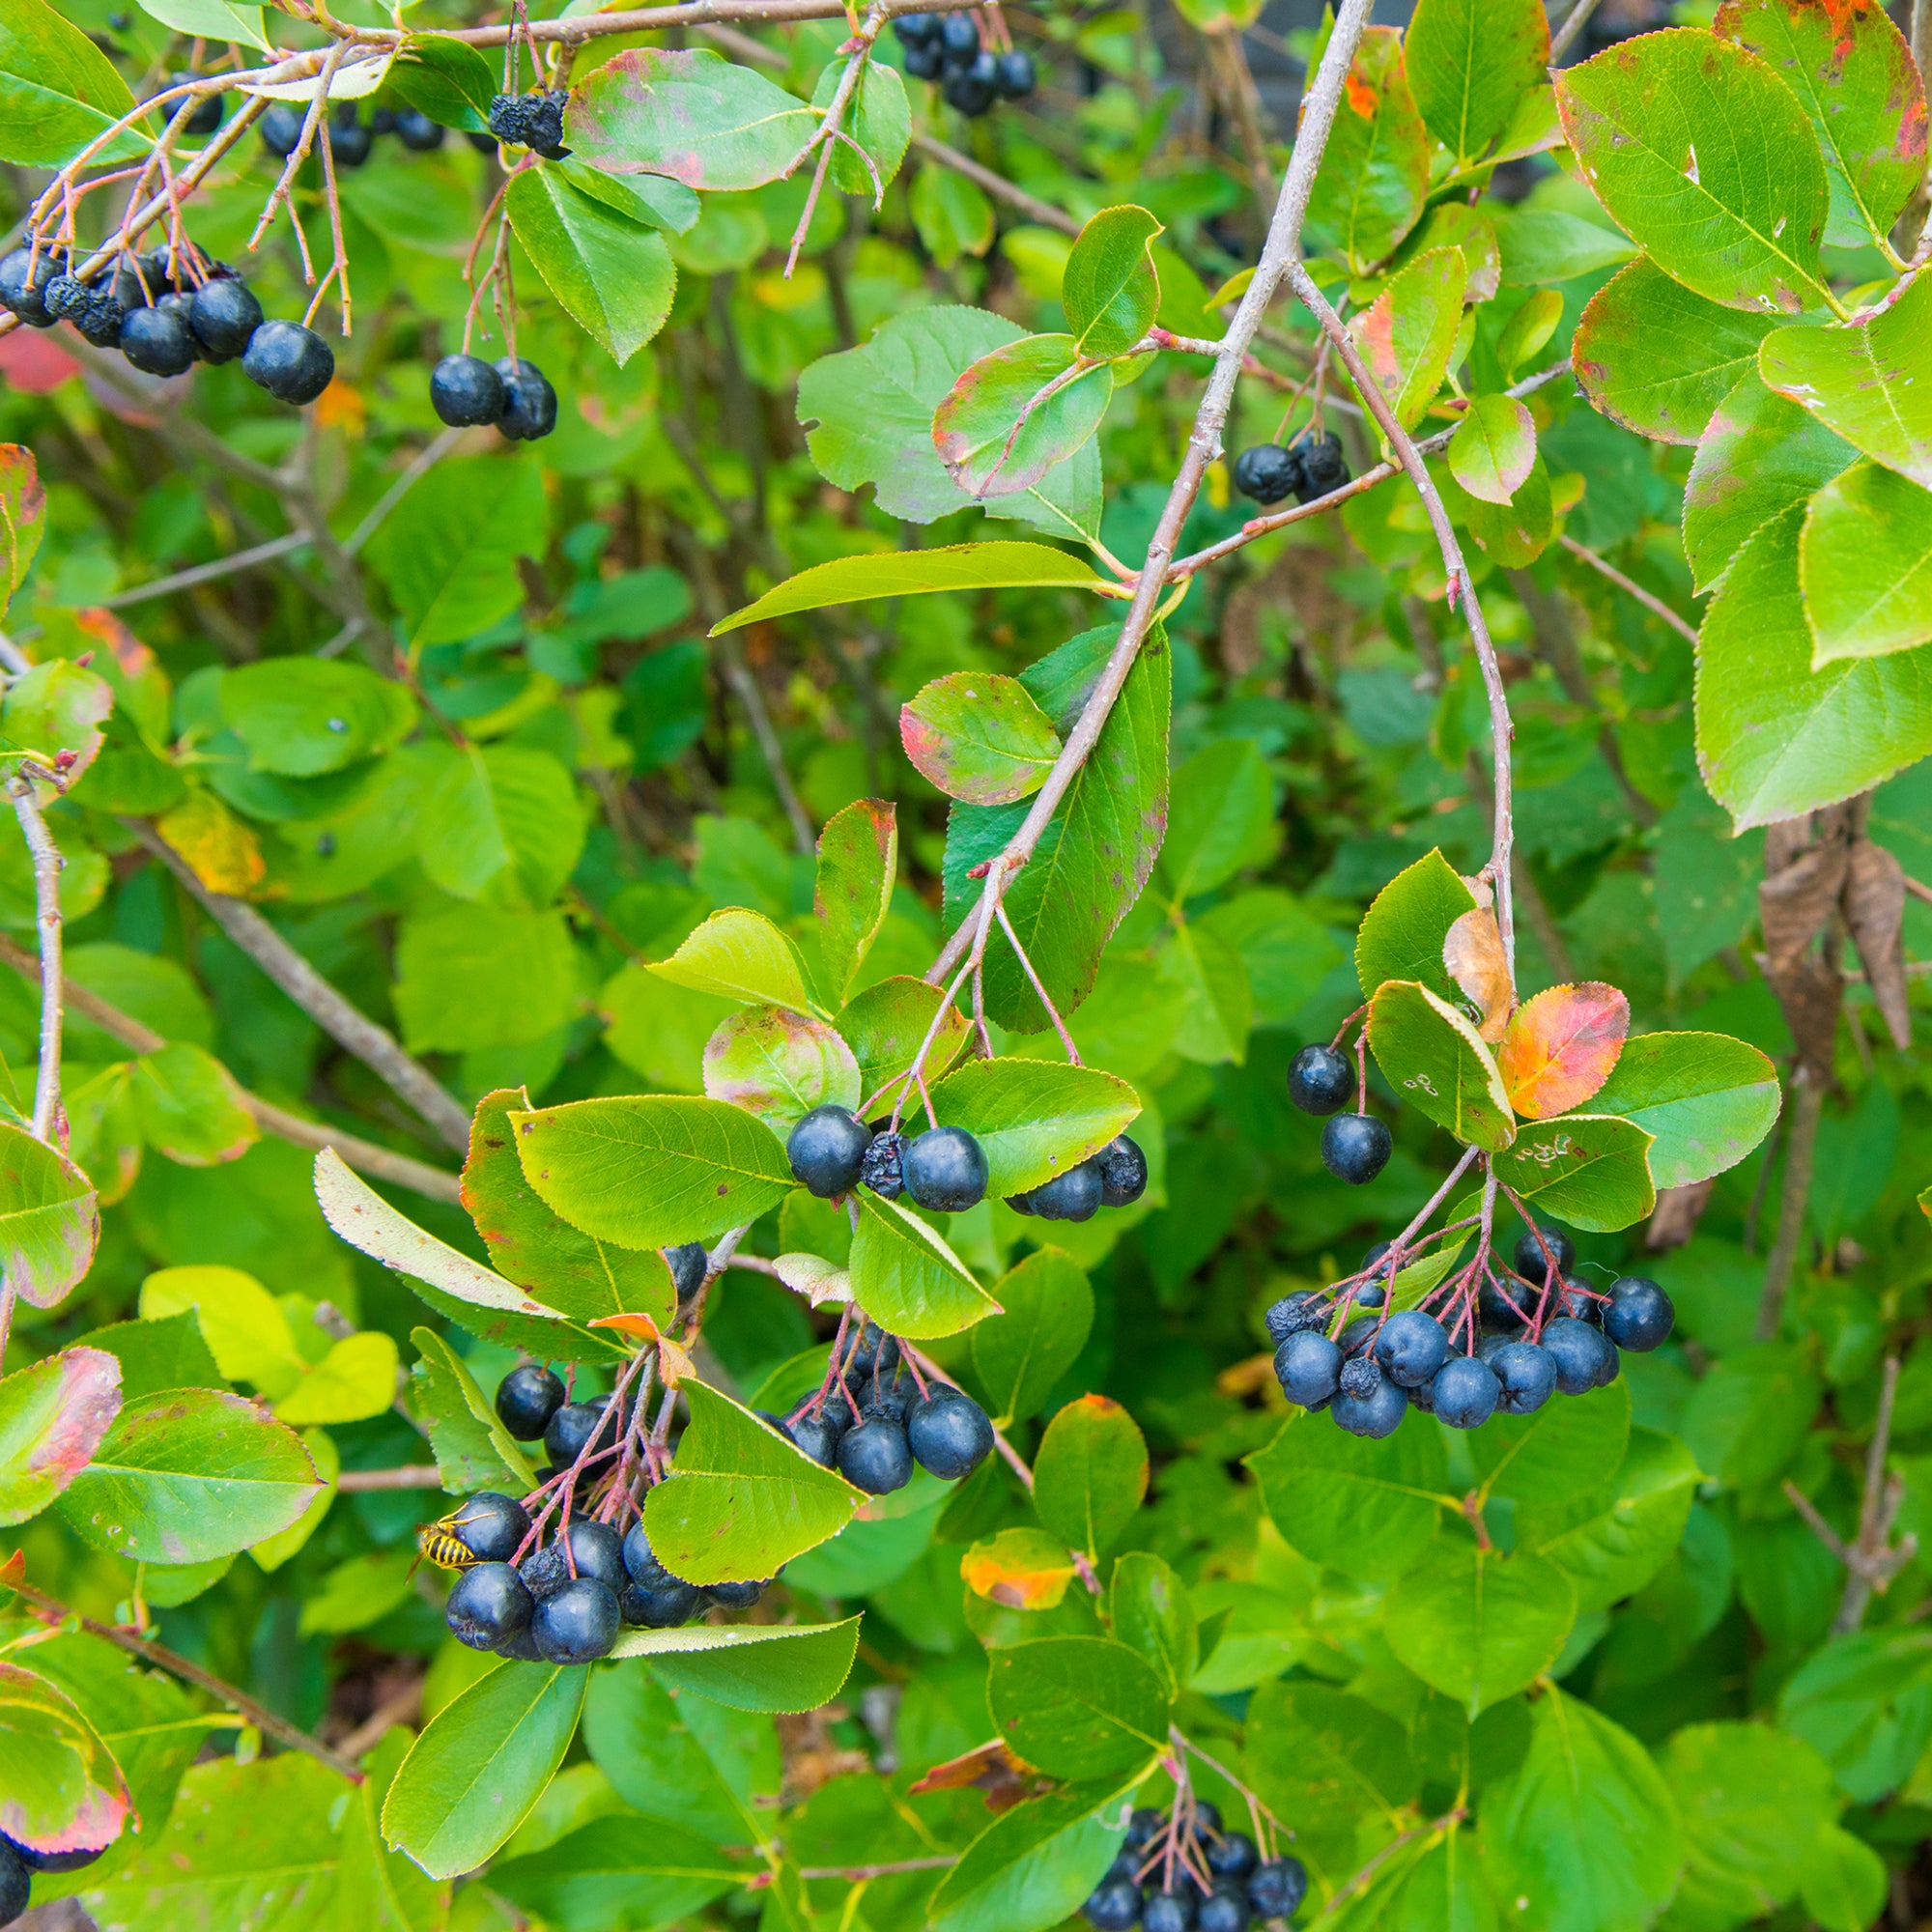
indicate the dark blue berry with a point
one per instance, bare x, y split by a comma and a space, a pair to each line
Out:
1225, 1909
488, 1604
204, 116
1575, 1298
489, 1527
926, 60
157, 341
1124, 1172
1170, 1911
223, 316
960, 36
1464, 1393
1412, 1347
1269, 473
1320, 1080
688, 1264
661, 1606
916, 30
1525, 1376
874, 1350
949, 1434
1580, 1355
826, 1149
1113, 1906
594, 1549
1277, 1888
1233, 1854
1640, 1316
1528, 1256
1015, 78
292, 364
1308, 1366
465, 390
1374, 1415
1072, 1196
349, 141
1356, 1148
974, 88
571, 1426
640, 1562
281, 129
946, 1167
875, 1457
1324, 466
579, 1624
417, 132
530, 403
527, 1399
817, 1437
737, 1596
1142, 1825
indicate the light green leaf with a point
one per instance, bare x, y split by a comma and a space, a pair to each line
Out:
886, 1025
907, 1279
245, 1327
1017, 412
1492, 453
1034, 1117
1561, 1451
53, 1415
50, 1222
751, 1666
1089, 1474
1476, 1626
1402, 932
615, 276
502, 825
1220, 817
780, 1065
1033, 1864
1866, 562
1149, 1611
858, 868
1470, 63
1077, 1706
216, 20
1612, 1553
473, 1449
1707, 1099
1020, 1354
1844, 1881
190, 1107
1439, 1065
58, 90
739, 956
979, 737
610, 1873
1588, 1170
355, 1380
301, 717
60, 1789
447, 79
1109, 287
1746, 1417
878, 118
1864, 1702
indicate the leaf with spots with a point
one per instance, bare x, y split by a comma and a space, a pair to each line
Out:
23, 514
780, 1065
979, 737
52, 1416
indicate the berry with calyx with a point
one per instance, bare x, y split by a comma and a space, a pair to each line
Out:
579, 1624
489, 1605
1124, 1172
1320, 1080
23, 282
1305, 1308
281, 129
509, 119
223, 317
1276, 1889
1360, 1377
1020, 1204
292, 363
949, 1434
465, 390
1114, 1904
1525, 1377
826, 1149
882, 1166
204, 116
1412, 1346
349, 141
1580, 1355
1505, 1307
1016, 78
571, 1426
817, 1435
1233, 1854
1268, 473
689, 1266
1072, 1196
889, 1394
1528, 1255
1374, 1415
1225, 1909
1640, 1316
417, 132
16, 1884
1170, 1911
974, 88
1356, 1148
640, 1563
737, 1596
660, 1605
489, 1527
592, 1549
1464, 1393
875, 1457
1324, 466
1309, 1367
874, 1350
527, 1399
959, 38
530, 403
946, 1167
157, 341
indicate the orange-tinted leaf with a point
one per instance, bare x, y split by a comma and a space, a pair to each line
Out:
23, 506
628, 1324
1474, 956
996, 1769
222, 848
1021, 1569
1561, 1046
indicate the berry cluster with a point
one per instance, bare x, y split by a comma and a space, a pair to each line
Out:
351, 138
533, 121
1308, 469
166, 311
1181, 1872
1527, 1338
511, 393
895, 1421
1354, 1147
19, 1863
944, 1170
947, 47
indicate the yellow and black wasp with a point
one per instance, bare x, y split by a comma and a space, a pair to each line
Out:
485, 1529
437, 1543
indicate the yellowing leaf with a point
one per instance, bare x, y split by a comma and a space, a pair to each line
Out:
1561, 1046
221, 850
1021, 1569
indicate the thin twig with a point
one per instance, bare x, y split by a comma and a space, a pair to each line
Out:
1574, 23
209, 573
1656, 605
406, 1476
997, 186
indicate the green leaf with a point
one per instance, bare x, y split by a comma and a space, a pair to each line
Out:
1585, 1829
614, 277
356, 1379
1147, 1610
58, 92
907, 1279
1089, 1474
1438, 1062
1863, 95
1541, 245
537, 1250
751, 1666
653, 1171
1704, 157
741, 1498
1020, 1354
1077, 1706
1775, 738
1109, 287
1405, 335
878, 118
1202, 969
1099, 847
479, 1766
1866, 562
1864, 1702
858, 868
1493, 450
1402, 931
697, 117
1470, 62
190, 1107
302, 716
1220, 817
1034, 1119
1843, 1882
979, 737
187, 1475
1746, 1417
53, 1415
608, 1873
501, 825
886, 1025
23, 514
445, 78
1017, 412
244, 1326
656, 200
1373, 177
153, 1355
1658, 358
1707, 1099
1033, 1864
1870, 381
50, 1222
1476, 1626
974, 567
1352, 1504
473, 1449
1760, 456
60, 1789
950, 214
1612, 1553
1588, 1170
780, 1065
449, 553
1516, 533
869, 413
57, 707
1562, 1450
739, 956
210, 19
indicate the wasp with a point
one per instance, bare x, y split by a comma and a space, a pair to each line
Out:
437, 1543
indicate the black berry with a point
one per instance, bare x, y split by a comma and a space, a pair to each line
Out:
1124, 1172
1528, 1256
660, 1605
349, 141
959, 38
882, 1166
1525, 1376
489, 1605
874, 1350
1113, 1906
949, 1434
875, 1457
527, 1399
530, 403
737, 1596
1323, 465
579, 1624
292, 363
689, 1266
640, 1561
1225, 1909
1013, 77
1309, 1368
490, 1526
1464, 1393
926, 60
817, 1437
23, 281
1269, 474
1233, 1854
946, 1167
223, 316
826, 1149
281, 129
1412, 1346
568, 1431
1582, 1359
1575, 1298
594, 1549
917, 30
16, 1883
509, 119
1356, 1148
417, 132
1142, 1824
204, 116
157, 341
1277, 1888
1169, 1911
1639, 1315
465, 390
1072, 1196
1320, 1080
543, 124
973, 89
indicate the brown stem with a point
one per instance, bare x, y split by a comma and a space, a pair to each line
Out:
857, 1873
997, 186
1574, 23
408, 1476
1807, 1104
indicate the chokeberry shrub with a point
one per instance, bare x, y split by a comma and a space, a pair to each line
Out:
957, 966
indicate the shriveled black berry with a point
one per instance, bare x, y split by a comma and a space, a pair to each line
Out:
826, 1149
281, 129
489, 1527
1528, 1255
488, 1604
1276, 1889
1356, 1148
875, 1457
289, 361
1123, 1171
1641, 1315
99, 319
973, 89
157, 341
579, 1624
688, 1264
417, 132
1360, 1377
571, 1426
65, 295
1268, 473
945, 1169
527, 1399
1305, 1308
1324, 466
949, 1434
882, 1166
23, 282
543, 125
543, 1572
204, 116
1015, 77
737, 1596
224, 316
1114, 1904
1320, 1080
509, 119
1072, 1196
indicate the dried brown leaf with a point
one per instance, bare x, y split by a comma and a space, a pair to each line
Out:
1474, 956
1875, 912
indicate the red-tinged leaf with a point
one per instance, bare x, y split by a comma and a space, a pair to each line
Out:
52, 1416
857, 866
995, 1768
1561, 1046
979, 737
63, 1792
23, 508
1473, 955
